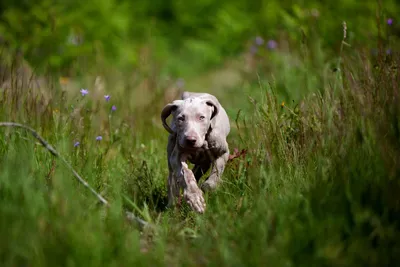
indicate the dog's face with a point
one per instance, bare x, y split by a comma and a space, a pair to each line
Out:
191, 122
193, 117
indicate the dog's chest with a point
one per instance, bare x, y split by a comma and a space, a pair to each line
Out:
198, 156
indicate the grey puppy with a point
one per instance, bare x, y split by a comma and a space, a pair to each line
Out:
198, 132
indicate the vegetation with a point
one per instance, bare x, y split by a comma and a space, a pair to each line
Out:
312, 93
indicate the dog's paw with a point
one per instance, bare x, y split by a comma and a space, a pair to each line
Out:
205, 187
195, 200
208, 186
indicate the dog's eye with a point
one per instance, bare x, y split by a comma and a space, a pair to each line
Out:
202, 118
182, 118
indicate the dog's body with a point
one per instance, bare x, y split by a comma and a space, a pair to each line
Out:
198, 134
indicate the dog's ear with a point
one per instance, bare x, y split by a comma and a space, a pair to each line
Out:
214, 104
167, 110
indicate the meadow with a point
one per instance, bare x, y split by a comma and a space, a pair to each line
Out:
314, 174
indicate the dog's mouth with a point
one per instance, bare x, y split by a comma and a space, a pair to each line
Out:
189, 146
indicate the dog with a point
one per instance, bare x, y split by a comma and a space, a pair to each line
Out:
197, 134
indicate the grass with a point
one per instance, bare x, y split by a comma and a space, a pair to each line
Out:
317, 183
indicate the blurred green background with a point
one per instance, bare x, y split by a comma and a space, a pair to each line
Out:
183, 36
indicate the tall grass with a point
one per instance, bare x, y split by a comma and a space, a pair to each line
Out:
316, 184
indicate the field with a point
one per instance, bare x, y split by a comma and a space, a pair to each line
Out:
314, 174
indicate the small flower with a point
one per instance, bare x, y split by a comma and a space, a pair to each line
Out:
84, 92
283, 104
253, 49
180, 83
259, 40
99, 138
390, 21
388, 51
272, 44
77, 144
113, 108
107, 97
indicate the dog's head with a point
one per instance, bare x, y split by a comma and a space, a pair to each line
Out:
192, 119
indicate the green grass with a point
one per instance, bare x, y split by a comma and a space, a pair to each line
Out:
317, 186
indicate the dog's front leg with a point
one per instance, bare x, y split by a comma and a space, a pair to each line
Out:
173, 190
186, 179
218, 166
192, 193
173, 187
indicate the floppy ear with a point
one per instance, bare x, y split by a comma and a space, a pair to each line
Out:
215, 108
167, 111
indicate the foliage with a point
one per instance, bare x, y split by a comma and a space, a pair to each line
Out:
315, 135
58, 35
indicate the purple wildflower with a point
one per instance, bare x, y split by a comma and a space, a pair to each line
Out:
107, 97
99, 138
253, 49
180, 83
77, 144
272, 44
390, 21
259, 40
84, 92
388, 51
113, 108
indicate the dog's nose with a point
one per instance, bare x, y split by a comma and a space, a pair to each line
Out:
191, 140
